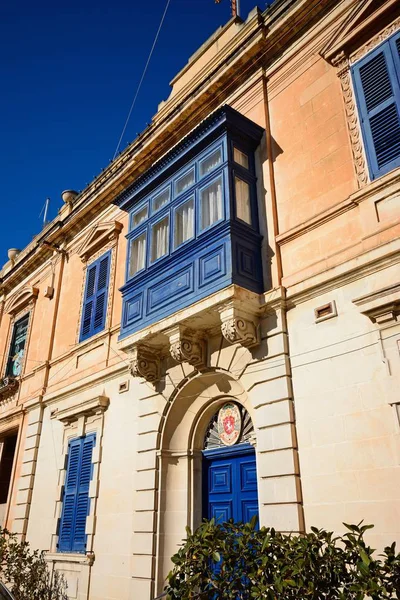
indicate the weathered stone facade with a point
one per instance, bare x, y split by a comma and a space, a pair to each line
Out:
315, 359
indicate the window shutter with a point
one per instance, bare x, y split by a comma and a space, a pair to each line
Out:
101, 295
65, 535
82, 501
76, 504
96, 292
376, 80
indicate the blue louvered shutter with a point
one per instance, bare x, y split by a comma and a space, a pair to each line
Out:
377, 87
76, 503
96, 293
82, 499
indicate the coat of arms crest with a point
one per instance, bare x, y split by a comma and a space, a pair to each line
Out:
229, 424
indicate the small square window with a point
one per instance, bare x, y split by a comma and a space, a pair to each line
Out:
240, 158
184, 223
161, 199
160, 239
211, 203
243, 206
139, 217
184, 182
211, 162
137, 254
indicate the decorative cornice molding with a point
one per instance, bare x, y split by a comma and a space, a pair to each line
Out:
21, 299
375, 41
381, 306
145, 362
98, 236
239, 326
186, 346
86, 408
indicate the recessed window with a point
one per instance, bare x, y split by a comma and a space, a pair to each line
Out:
184, 182
17, 349
160, 239
211, 203
161, 199
243, 207
139, 217
7, 454
137, 254
184, 223
240, 158
211, 162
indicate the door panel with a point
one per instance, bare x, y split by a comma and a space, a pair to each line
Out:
230, 484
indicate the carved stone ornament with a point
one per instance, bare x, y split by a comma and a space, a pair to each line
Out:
8, 385
341, 62
186, 346
145, 363
239, 328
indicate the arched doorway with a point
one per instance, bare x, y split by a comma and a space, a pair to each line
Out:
189, 426
229, 481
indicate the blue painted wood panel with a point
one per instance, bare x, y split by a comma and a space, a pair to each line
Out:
230, 484
220, 249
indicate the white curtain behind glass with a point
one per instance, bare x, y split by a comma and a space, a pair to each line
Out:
184, 223
160, 239
211, 204
243, 210
138, 255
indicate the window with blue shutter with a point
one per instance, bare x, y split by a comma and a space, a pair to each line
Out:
96, 293
377, 85
76, 503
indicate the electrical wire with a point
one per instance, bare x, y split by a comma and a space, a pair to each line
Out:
142, 78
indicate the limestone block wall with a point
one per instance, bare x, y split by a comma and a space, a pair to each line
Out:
346, 375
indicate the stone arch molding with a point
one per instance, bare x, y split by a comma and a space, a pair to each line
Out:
184, 426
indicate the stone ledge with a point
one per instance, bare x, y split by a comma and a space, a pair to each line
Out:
89, 407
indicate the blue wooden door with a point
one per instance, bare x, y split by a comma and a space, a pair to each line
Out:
230, 484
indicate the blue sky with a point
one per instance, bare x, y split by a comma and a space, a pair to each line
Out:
69, 71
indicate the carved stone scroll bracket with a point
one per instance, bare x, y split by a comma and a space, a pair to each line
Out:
145, 363
341, 62
239, 326
187, 346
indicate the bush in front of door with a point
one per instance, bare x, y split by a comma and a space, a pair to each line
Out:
237, 561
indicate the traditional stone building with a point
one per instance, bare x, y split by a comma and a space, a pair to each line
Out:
212, 326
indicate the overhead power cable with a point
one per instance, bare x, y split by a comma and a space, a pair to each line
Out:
141, 79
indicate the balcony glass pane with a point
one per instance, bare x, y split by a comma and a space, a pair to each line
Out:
184, 182
139, 217
211, 203
211, 162
137, 254
184, 223
243, 208
240, 158
160, 239
161, 199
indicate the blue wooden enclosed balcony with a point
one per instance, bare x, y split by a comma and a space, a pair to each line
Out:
193, 224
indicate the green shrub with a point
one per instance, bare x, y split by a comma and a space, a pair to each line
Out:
238, 562
26, 572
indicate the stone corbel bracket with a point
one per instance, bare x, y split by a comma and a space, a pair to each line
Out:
187, 346
239, 326
381, 306
145, 362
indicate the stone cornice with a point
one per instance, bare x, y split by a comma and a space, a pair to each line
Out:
89, 407
381, 306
